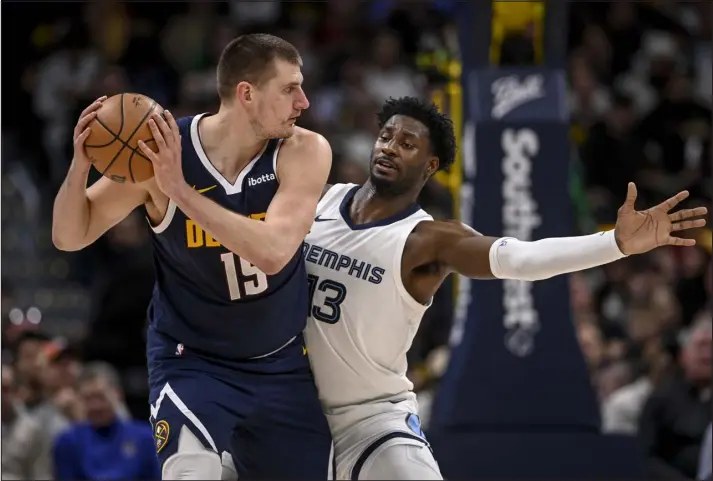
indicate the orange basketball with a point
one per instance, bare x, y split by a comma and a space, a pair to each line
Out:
112, 146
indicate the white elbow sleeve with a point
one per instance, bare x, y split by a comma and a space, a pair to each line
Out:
511, 258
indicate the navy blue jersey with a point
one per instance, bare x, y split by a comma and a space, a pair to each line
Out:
207, 298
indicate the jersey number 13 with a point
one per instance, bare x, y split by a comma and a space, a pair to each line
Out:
335, 292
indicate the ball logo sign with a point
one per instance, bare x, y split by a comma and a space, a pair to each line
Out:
510, 92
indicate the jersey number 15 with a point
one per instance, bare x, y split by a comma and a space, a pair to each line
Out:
255, 282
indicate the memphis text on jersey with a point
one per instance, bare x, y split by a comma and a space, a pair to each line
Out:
197, 237
342, 263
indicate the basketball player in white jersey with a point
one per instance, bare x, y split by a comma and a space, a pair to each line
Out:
375, 259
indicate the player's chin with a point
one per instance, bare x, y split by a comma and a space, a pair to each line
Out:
387, 174
288, 131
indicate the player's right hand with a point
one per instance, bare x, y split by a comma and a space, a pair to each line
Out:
82, 131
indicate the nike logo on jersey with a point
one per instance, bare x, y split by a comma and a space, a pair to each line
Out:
201, 191
264, 178
320, 219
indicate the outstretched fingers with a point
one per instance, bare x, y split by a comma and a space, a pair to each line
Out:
687, 214
669, 204
680, 241
688, 224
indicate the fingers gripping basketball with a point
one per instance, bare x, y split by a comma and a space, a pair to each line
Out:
112, 146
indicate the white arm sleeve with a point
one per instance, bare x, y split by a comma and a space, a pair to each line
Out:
511, 258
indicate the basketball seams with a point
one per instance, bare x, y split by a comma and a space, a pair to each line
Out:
106, 127
131, 172
116, 138
121, 109
121, 157
116, 135
125, 143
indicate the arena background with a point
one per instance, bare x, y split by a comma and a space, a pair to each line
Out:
603, 374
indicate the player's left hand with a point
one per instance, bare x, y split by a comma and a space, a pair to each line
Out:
167, 161
641, 231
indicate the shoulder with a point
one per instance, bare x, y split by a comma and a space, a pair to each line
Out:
307, 143
439, 228
628, 397
68, 436
304, 157
27, 426
430, 235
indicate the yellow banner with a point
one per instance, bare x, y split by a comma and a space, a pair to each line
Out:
517, 17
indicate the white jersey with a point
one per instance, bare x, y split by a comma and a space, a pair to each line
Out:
362, 320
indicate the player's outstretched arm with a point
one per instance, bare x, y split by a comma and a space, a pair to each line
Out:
302, 170
82, 215
468, 253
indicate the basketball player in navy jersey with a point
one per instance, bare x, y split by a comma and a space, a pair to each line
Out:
375, 260
233, 196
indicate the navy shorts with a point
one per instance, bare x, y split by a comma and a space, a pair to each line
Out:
264, 412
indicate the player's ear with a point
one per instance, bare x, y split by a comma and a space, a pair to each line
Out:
244, 92
432, 166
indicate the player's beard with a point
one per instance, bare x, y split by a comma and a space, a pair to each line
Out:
265, 133
391, 188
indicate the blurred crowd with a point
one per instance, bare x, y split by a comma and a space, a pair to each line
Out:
73, 323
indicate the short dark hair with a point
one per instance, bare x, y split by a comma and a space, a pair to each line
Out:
440, 128
249, 58
28, 336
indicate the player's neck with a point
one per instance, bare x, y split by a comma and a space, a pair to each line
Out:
229, 145
369, 206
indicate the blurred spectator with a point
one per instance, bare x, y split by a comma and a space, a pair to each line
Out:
105, 446
185, 36
691, 287
589, 100
28, 366
61, 80
117, 327
389, 75
60, 404
612, 377
676, 136
592, 344
22, 436
611, 156
675, 417
622, 408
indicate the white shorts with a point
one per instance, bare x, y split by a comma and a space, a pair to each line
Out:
381, 440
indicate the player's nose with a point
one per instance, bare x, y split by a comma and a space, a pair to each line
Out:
302, 102
388, 148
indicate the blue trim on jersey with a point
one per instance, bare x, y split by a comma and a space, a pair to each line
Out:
344, 210
364, 457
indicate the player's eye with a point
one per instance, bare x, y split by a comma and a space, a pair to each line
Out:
406, 145
289, 90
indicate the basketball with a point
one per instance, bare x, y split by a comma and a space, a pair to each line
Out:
113, 147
